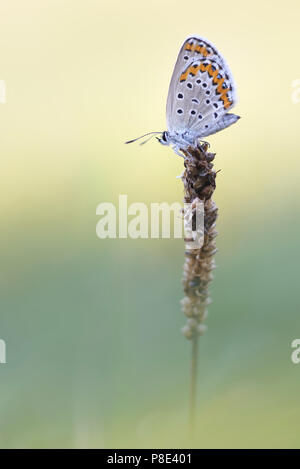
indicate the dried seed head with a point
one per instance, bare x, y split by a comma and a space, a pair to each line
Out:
199, 184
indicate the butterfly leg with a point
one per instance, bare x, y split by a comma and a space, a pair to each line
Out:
187, 156
203, 143
178, 152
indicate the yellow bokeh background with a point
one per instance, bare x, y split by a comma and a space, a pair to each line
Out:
81, 316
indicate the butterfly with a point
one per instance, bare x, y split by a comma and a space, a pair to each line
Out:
201, 93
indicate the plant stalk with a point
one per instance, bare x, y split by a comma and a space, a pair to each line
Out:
199, 185
193, 386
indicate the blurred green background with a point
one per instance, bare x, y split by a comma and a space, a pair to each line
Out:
95, 357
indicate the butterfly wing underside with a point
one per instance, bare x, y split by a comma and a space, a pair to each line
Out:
201, 91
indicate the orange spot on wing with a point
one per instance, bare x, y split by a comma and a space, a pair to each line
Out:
195, 47
212, 73
220, 83
193, 70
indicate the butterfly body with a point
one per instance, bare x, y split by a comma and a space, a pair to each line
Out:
189, 137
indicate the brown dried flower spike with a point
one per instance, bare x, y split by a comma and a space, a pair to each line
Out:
199, 183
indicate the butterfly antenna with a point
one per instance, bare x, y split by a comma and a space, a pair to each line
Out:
147, 140
142, 136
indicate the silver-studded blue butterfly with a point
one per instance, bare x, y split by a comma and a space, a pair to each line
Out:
201, 93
